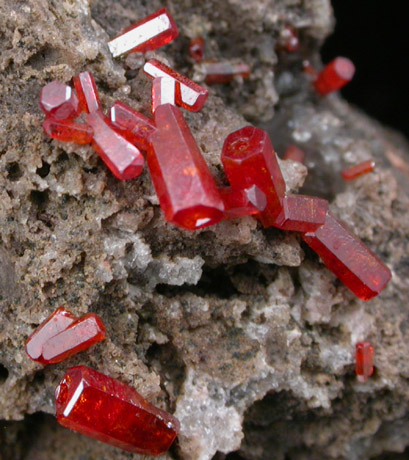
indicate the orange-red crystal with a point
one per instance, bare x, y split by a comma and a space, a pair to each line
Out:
334, 76
68, 131
358, 170
363, 360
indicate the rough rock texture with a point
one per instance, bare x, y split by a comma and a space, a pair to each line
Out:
239, 331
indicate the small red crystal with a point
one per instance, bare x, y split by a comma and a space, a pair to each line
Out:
59, 101
249, 159
363, 361
68, 131
57, 322
334, 76
302, 213
288, 39
123, 158
295, 154
87, 92
349, 258
189, 94
151, 33
239, 203
163, 92
196, 48
185, 187
224, 72
106, 409
133, 125
358, 170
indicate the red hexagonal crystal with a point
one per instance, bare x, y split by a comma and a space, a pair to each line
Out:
334, 76
68, 131
363, 361
348, 258
59, 101
239, 203
185, 187
249, 159
123, 158
133, 125
163, 92
151, 33
103, 408
189, 94
87, 92
358, 170
79, 336
301, 213
196, 48
294, 153
224, 72
57, 322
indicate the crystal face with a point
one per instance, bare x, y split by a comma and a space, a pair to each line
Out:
163, 92
87, 92
363, 361
59, 101
68, 131
358, 170
189, 94
224, 72
185, 187
249, 160
103, 408
294, 153
239, 203
348, 258
151, 33
196, 48
334, 76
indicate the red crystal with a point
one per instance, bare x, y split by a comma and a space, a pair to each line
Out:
151, 33
363, 360
87, 92
106, 409
295, 154
134, 126
123, 159
239, 203
249, 159
189, 94
334, 76
348, 258
302, 213
224, 72
288, 39
79, 336
185, 187
196, 48
358, 170
59, 101
58, 321
68, 131
163, 92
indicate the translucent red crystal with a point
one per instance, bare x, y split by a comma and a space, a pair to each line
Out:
196, 48
334, 76
239, 203
358, 170
68, 131
363, 360
348, 258
301, 213
106, 409
59, 101
151, 33
189, 94
123, 158
224, 72
79, 336
249, 159
288, 39
133, 125
185, 187
163, 92
294, 153
87, 92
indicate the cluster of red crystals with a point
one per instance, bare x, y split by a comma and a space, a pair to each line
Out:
358, 170
196, 49
151, 33
163, 92
63, 335
59, 101
294, 153
106, 409
224, 72
288, 39
334, 76
363, 361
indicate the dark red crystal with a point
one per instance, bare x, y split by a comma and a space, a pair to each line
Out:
196, 48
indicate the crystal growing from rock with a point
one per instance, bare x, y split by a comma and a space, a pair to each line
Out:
363, 361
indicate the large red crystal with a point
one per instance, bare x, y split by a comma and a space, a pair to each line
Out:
68, 131
185, 187
363, 361
249, 159
59, 101
87, 92
334, 76
123, 158
348, 258
189, 94
103, 408
358, 170
151, 33
224, 72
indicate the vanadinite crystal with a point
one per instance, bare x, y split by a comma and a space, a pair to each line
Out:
151, 33
224, 72
239, 203
59, 101
87, 92
163, 92
189, 94
294, 153
348, 258
358, 170
249, 159
185, 187
363, 360
334, 76
123, 158
103, 408
68, 131
196, 48
288, 39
